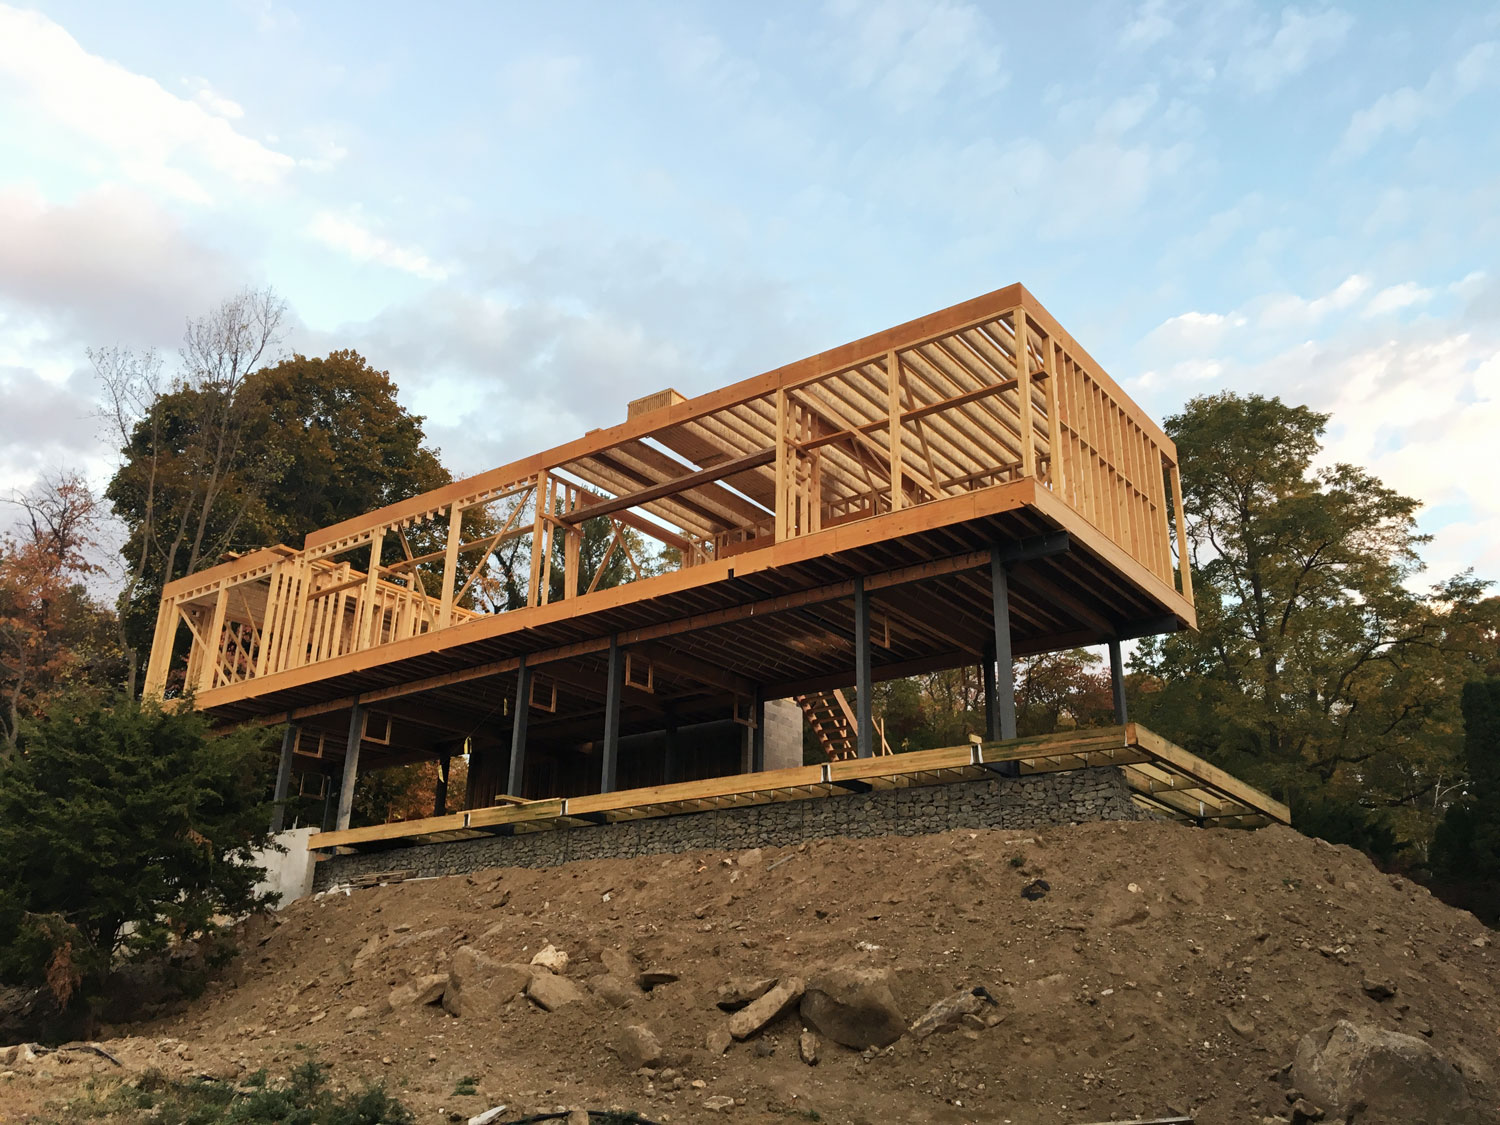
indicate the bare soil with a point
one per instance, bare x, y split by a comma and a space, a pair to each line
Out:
1166, 970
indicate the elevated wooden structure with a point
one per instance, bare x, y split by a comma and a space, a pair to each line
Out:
960, 489
1163, 778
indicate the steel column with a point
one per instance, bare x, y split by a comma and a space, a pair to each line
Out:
351, 765
610, 767
863, 703
516, 776
284, 775
1117, 681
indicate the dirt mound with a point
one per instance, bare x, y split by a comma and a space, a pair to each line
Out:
1150, 969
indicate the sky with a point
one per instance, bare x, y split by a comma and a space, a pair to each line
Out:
531, 213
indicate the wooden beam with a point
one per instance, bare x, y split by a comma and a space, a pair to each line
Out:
672, 487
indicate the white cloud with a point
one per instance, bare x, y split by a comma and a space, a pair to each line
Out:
910, 51
1302, 37
215, 102
112, 266
1397, 297
1418, 410
157, 137
1150, 25
350, 236
1402, 110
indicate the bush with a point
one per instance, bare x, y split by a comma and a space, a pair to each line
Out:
124, 828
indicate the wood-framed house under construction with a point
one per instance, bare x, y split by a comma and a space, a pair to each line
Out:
962, 489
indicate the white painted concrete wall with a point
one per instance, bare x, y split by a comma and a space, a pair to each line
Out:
290, 872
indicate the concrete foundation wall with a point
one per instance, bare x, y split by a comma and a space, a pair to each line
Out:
783, 734
1028, 802
288, 873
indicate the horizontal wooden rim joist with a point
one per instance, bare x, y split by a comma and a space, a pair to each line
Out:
1162, 777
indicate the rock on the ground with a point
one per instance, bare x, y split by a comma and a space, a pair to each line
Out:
651, 978
807, 1047
551, 958
718, 1102
1383, 1076
479, 986
718, 1041
747, 1021
735, 994
615, 992
551, 992
637, 1046
490, 1115
853, 1005
619, 963
948, 1014
424, 990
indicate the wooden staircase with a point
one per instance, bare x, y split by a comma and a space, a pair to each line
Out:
833, 721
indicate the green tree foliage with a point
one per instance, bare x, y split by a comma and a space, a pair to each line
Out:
1466, 844
305, 443
1316, 671
123, 826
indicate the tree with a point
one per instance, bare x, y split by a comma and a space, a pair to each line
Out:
309, 442
53, 633
123, 826
1316, 671
1058, 690
1466, 844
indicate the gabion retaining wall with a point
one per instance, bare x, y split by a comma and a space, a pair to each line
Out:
1035, 801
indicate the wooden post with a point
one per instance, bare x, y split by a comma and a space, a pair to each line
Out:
369, 616
516, 777
1117, 681
1023, 404
609, 768
863, 703
1184, 568
284, 774
893, 407
783, 458
213, 643
351, 765
162, 643
1003, 722
538, 529
450, 566
1056, 440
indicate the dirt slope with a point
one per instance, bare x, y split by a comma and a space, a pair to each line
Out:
1167, 969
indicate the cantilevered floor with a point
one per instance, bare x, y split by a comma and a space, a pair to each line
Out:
847, 513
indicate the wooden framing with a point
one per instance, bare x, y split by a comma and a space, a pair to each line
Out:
1162, 777
898, 461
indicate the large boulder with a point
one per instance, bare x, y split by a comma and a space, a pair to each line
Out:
1380, 1077
551, 992
479, 986
853, 1005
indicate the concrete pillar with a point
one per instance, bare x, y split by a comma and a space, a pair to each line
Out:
1003, 718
